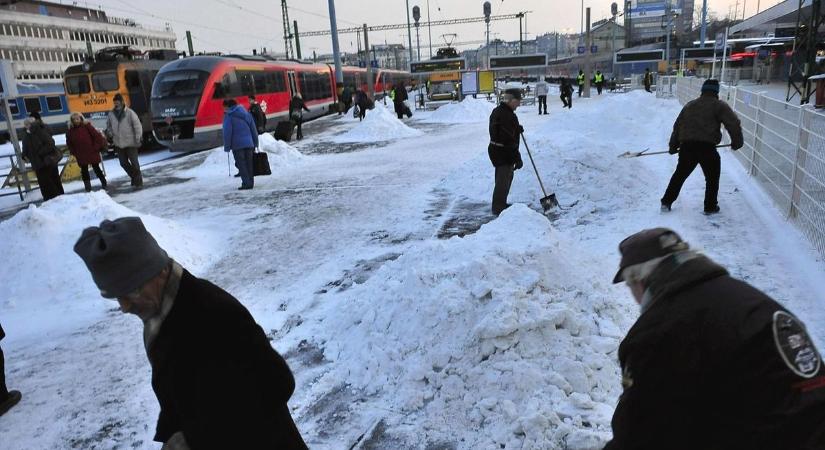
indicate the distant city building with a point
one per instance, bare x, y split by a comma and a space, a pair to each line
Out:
648, 19
43, 38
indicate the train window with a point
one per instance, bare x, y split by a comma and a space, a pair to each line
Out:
105, 81
77, 84
247, 82
32, 104
15, 110
53, 103
180, 83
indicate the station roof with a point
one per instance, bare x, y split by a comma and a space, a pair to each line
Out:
784, 13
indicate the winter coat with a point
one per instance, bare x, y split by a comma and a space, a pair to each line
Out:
346, 95
217, 378
567, 88
297, 108
124, 129
2, 333
714, 364
700, 120
648, 79
260, 118
505, 132
239, 129
542, 89
400, 94
85, 143
38, 144
362, 100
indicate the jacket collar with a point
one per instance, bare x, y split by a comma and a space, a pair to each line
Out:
151, 327
679, 271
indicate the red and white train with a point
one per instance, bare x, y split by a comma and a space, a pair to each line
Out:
187, 94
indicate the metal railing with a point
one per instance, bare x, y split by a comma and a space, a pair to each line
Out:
784, 151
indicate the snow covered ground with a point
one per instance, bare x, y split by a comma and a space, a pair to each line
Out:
411, 318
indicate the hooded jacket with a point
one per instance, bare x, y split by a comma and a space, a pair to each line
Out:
239, 129
37, 145
124, 128
700, 121
714, 364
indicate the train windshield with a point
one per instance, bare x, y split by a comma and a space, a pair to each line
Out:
105, 81
181, 83
78, 84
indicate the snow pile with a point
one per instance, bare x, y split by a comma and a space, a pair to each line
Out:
280, 154
46, 286
467, 111
380, 124
498, 333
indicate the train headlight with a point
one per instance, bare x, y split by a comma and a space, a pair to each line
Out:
87, 66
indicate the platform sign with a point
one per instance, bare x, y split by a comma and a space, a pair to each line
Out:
518, 61
486, 82
445, 76
438, 65
721, 41
594, 49
696, 53
580, 49
640, 56
469, 82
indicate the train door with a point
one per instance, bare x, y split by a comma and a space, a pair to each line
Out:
137, 99
293, 86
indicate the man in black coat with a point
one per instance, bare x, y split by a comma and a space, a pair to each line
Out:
40, 150
7, 398
505, 132
257, 114
399, 97
712, 363
219, 383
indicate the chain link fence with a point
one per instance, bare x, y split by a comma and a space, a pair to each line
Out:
784, 151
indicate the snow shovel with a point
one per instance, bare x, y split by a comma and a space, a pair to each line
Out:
548, 202
645, 153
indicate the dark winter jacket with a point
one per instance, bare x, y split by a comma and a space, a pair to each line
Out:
700, 121
566, 88
239, 129
362, 100
216, 376
297, 108
504, 136
648, 79
400, 94
85, 143
2, 333
346, 95
259, 116
714, 364
38, 144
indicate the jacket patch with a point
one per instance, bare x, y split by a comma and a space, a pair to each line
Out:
794, 345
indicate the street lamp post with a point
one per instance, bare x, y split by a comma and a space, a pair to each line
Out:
417, 17
488, 9
409, 31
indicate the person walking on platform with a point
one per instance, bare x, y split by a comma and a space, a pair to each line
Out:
85, 143
124, 129
41, 152
257, 114
580, 81
541, 94
696, 133
598, 80
566, 89
296, 113
241, 137
398, 98
648, 80
505, 132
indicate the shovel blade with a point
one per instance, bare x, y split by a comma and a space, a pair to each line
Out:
549, 202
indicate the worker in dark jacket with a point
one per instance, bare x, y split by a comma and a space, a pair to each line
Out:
398, 99
40, 150
712, 363
566, 93
258, 114
647, 80
505, 132
219, 383
7, 398
296, 112
362, 101
695, 136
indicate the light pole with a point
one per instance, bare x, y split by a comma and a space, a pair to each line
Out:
703, 34
429, 30
488, 9
336, 54
409, 31
416, 17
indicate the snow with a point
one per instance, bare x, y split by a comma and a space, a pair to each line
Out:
380, 124
400, 334
49, 289
467, 111
280, 154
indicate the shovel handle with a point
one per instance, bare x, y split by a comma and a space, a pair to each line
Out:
526, 147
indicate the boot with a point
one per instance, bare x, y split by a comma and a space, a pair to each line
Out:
103, 183
87, 184
12, 399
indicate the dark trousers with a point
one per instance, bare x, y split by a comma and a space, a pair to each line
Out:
129, 161
299, 134
599, 87
4, 392
399, 109
244, 160
504, 178
48, 178
566, 100
691, 155
87, 179
543, 103
581, 88
647, 87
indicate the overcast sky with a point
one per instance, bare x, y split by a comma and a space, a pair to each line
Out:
241, 25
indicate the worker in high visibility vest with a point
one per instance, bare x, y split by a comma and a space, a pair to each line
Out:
598, 80
580, 81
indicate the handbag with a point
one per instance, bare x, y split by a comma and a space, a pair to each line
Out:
260, 164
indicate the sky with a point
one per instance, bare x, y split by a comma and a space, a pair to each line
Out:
238, 26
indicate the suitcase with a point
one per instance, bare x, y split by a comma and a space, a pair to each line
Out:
284, 129
260, 164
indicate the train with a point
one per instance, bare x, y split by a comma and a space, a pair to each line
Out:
187, 94
48, 99
91, 86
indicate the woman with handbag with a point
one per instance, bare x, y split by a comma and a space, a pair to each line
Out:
39, 150
85, 143
296, 112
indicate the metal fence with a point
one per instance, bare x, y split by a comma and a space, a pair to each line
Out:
784, 151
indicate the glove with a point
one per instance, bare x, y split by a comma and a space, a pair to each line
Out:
673, 150
520, 129
519, 164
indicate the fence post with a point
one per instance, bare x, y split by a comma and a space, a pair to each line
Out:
801, 157
757, 133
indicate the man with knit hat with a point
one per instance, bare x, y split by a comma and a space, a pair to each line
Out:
712, 362
219, 383
695, 136
505, 132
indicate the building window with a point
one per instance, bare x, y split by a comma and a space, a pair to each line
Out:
54, 103
32, 104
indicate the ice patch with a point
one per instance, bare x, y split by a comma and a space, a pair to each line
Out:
467, 111
380, 124
46, 287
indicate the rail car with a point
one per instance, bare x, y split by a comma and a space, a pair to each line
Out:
91, 86
48, 99
187, 95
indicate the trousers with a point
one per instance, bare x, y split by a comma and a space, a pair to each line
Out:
692, 154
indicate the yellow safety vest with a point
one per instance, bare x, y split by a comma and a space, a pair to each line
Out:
580, 78
599, 78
